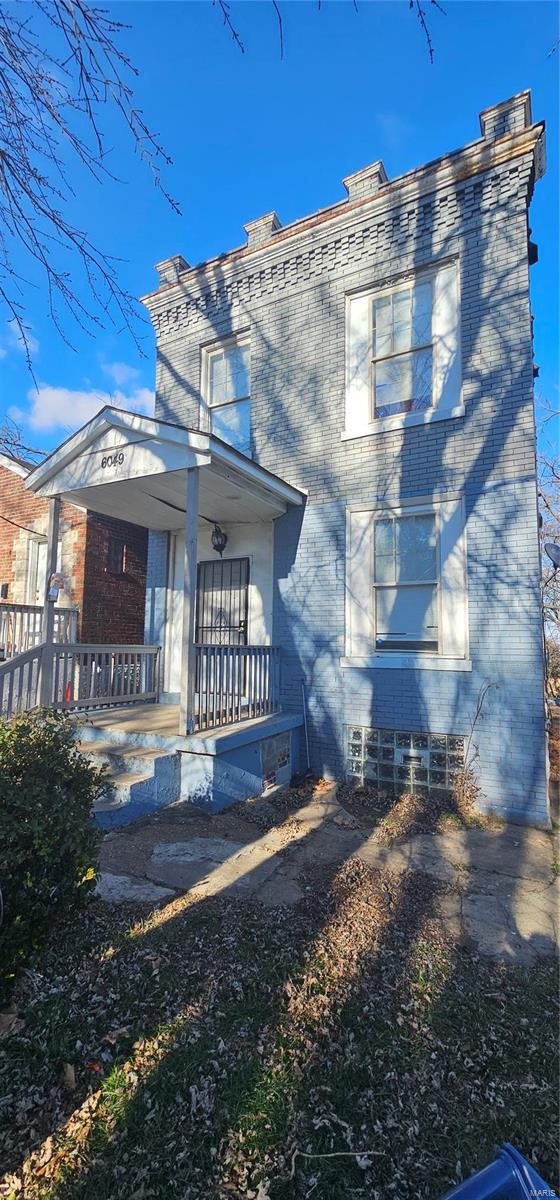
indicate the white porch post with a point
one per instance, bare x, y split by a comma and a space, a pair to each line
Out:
188, 657
47, 624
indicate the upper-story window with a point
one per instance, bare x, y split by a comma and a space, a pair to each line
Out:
403, 361
228, 392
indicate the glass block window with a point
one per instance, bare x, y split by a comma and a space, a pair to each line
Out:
402, 761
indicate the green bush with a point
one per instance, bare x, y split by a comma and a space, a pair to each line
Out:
47, 840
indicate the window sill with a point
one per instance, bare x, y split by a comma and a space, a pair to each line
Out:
403, 421
417, 662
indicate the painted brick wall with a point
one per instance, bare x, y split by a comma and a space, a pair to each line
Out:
290, 294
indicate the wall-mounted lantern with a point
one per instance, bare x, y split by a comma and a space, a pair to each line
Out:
219, 539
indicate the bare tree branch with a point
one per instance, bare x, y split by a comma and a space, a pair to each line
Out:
51, 103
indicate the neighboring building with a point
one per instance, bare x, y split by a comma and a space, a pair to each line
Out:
377, 355
102, 561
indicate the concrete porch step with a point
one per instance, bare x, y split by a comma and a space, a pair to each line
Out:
120, 757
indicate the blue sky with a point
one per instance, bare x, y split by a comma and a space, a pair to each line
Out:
249, 133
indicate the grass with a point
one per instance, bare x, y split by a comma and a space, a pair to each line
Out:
221, 1049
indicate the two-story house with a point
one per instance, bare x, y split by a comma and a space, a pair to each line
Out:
339, 485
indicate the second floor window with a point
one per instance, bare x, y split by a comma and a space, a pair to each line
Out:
402, 351
403, 362
228, 393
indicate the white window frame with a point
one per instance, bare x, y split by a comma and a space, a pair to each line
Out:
360, 649
446, 353
208, 352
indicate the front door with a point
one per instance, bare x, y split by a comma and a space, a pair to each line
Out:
222, 602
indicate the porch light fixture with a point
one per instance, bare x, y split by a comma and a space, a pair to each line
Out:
219, 539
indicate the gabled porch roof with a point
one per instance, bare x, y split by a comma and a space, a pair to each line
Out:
134, 468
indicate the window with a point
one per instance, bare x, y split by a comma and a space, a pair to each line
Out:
405, 583
116, 556
402, 351
406, 597
403, 362
228, 394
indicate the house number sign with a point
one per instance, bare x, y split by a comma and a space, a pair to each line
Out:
112, 460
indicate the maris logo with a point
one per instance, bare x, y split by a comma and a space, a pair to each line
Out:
112, 460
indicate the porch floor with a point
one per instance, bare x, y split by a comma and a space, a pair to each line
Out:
159, 725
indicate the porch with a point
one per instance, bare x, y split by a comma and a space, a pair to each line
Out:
208, 651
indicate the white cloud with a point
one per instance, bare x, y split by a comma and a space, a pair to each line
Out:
120, 373
65, 408
16, 341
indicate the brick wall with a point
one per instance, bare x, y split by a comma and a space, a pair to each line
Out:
114, 603
111, 606
20, 508
291, 295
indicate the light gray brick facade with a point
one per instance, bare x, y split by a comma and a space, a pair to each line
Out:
289, 291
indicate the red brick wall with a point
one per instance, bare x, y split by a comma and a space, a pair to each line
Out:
19, 507
111, 606
114, 603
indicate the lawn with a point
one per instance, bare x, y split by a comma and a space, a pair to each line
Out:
216, 1048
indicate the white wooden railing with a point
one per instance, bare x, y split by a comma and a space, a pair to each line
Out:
20, 626
232, 683
75, 676
235, 683
20, 682
90, 676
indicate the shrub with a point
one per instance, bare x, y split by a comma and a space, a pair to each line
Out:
47, 839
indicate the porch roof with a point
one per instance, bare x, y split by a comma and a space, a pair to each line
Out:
134, 468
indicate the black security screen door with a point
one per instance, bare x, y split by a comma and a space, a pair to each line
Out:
222, 602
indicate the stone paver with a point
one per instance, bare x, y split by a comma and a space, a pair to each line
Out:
502, 898
125, 889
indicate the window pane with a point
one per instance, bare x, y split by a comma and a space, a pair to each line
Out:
403, 384
422, 314
406, 617
402, 321
416, 547
392, 386
384, 558
237, 372
217, 378
382, 327
229, 374
232, 423
421, 380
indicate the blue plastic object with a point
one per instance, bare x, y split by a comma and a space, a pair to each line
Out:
509, 1177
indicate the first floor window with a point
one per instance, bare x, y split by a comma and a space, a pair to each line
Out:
405, 583
228, 393
406, 589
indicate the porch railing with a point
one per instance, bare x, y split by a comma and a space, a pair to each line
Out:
20, 682
235, 683
89, 676
20, 626
79, 677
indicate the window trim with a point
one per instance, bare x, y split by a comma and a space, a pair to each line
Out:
360, 648
358, 427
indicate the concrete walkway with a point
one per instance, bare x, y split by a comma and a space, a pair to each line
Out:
501, 895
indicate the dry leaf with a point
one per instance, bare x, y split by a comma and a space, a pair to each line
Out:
10, 1022
115, 1035
68, 1076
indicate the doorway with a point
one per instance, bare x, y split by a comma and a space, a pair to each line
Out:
222, 602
